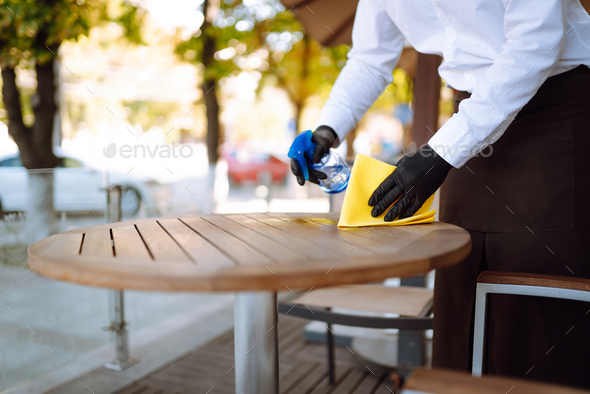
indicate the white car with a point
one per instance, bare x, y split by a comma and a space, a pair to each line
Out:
78, 188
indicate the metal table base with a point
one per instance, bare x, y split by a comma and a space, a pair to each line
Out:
256, 343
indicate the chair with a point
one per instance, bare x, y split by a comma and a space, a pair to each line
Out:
437, 381
413, 304
491, 282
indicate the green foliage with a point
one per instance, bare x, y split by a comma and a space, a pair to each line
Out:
147, 113
275, 45
34, 30
234, 24
307, 68
129, 15
266, 39
400, 91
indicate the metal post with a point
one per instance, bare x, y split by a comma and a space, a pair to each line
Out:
256, 343
122, 357
336, 201
265, 179
479, 330
411, 344
331, 364
113, 209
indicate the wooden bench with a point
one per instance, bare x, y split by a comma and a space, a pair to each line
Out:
413, 304
435, 381
537, 285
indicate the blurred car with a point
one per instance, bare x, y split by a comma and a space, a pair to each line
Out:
245, 165
78, 188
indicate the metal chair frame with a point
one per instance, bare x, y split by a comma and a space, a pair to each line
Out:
421, 323
484, 289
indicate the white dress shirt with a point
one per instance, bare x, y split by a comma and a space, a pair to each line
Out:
501, 51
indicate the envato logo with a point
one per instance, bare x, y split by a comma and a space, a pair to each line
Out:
455, 151
163, 151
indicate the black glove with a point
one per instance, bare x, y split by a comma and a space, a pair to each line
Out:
415, 179
323, 138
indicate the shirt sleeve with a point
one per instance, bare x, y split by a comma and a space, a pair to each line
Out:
535, 39
377, 47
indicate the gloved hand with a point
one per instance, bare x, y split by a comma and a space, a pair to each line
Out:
323, 138
415, 179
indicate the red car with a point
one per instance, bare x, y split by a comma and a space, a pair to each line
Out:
245, 165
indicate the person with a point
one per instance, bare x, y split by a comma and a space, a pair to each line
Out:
514, 156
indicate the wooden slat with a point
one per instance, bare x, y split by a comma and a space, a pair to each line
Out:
137, 388
220, 353
385, 241
238, 250
128, 244
97, 244
197, 369
166, 384
305, 247
181, 373
160, 244
351, 381
224, 340
308, 382
340, 247
451, 382
311, 351
387, 386
516, 278
201, 250
288, 383
324, 384
287, 337
209, 364
63, 245
390, 238
372, 238
263, 244
367, 242
291, 346
369, 384
404, 300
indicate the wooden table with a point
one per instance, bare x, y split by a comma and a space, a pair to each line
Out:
254, 255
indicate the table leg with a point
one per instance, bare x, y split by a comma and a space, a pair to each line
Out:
123, 359
256, 343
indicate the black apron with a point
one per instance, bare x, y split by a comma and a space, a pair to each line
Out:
524, 202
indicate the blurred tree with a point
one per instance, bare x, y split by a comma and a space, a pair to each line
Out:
267, 39
261, 38
223, 23
30, 35
298, 64
210, 79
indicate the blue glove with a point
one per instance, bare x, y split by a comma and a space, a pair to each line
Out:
310, 146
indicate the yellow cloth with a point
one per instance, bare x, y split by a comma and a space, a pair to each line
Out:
367, 174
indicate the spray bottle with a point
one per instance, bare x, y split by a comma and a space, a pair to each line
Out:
331, 164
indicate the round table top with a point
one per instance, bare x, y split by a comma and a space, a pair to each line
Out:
244, 252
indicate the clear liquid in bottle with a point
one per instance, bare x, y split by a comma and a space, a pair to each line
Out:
337, 171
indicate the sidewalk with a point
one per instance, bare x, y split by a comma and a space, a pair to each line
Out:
45, 324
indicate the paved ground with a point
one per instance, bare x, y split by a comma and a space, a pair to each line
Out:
45, 323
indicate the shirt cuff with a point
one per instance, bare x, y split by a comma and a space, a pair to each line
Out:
454, 143
339, 120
